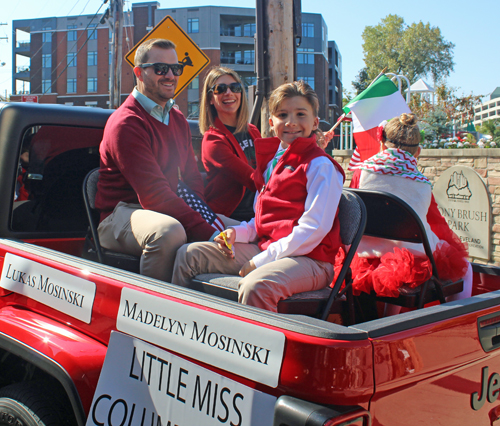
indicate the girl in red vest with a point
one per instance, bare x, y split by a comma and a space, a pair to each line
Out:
290, 245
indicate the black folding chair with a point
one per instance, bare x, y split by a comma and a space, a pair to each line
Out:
389, 217
319, 303
93, 249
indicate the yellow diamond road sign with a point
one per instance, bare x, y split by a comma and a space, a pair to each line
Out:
188, 52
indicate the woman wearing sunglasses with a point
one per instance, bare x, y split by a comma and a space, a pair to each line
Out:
227, 149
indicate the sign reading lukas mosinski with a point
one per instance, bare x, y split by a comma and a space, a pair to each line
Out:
464, 202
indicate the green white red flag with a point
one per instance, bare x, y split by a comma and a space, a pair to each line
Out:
378, 102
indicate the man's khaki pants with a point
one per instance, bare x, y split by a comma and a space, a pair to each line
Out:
155, 237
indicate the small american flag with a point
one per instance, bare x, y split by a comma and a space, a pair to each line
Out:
198, 205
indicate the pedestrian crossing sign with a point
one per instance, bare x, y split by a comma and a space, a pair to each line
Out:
188, 52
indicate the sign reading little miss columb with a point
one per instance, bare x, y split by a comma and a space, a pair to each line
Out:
464, 202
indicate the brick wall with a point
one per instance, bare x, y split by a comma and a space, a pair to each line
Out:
432, 163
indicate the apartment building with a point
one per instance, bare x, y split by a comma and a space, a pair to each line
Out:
67, 60
489, 110
335, 82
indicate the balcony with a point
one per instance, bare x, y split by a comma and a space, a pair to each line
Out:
239, 65
22, 73
23, 48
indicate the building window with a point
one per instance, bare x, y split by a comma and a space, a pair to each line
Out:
249, 30
249, 81
91, 58
110, 56
305, 58
193, 25
195, 83
308, 80
92, 32
71, 85
46, 35
193, 109
46, 86
91, 104
71, 57
92, 84
307, 29
46, 60
71, 32
249, 56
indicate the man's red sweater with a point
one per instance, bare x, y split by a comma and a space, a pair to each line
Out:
140, 163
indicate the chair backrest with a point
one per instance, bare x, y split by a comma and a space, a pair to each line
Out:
390, 217
90, 187
352, 216
89, 194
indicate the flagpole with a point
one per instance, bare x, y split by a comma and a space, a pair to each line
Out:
329, 134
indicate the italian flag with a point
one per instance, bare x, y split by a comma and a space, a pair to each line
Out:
378, 102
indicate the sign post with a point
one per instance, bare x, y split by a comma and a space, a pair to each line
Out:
188, 52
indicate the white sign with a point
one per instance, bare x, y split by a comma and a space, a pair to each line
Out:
141, 384
464, 202
71, 295
233, 345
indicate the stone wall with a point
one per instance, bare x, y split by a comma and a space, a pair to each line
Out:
432, 162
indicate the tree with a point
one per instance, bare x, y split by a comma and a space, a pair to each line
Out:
491, 127
415, 51
457, 110
434, 123
346, 97
362, 81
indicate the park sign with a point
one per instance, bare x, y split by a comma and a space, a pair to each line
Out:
188, 52
464, 202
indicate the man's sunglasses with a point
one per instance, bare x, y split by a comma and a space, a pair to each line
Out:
162, 69
222, 88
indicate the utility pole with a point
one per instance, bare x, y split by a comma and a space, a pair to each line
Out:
116, 24
277, 35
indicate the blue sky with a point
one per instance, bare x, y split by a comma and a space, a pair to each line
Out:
471, 26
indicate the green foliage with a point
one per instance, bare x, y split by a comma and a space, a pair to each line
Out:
415, 50
434, 123
346, 97
470, 138
362, 81
490, 127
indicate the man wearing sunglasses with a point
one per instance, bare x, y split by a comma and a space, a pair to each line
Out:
146, 147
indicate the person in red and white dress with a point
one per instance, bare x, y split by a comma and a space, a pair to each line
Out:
382, 265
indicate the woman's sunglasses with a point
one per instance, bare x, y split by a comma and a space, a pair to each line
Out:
222, 88
162, 69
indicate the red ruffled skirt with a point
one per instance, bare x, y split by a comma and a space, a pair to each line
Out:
387, 274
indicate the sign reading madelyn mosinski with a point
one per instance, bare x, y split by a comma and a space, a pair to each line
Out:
464, 202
